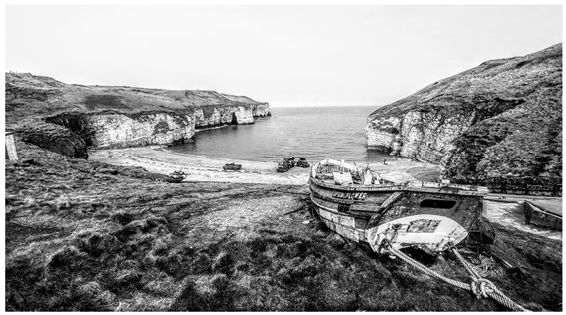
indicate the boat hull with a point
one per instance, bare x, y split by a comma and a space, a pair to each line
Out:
175, 180
232, 167
354, 211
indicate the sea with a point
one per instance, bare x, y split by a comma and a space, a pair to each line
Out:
311, 132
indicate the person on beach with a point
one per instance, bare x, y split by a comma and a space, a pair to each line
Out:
384, 161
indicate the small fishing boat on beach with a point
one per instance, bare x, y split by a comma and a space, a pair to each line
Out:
362, 207
176, 176
232, 167
302, 162
285, 164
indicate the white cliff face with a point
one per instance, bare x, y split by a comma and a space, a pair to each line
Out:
212, 116
110, 130
429, 136
492, 121
119, 130
120, 116
261, 110
244, 115
381, 133
206, 117
422, 135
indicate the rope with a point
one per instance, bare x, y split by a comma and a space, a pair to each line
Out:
430, 272
485, 288
479, 286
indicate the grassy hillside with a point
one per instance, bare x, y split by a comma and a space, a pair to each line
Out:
29, 95
83, 235
514, 107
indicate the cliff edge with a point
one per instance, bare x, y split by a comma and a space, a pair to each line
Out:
501, 118
48, 113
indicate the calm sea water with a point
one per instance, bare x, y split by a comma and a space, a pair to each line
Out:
311, 132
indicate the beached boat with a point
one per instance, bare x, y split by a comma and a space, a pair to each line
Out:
176, 176
232, 167
285, 164
302, 162
362, 207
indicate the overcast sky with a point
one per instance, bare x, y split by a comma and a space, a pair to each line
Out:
285, 55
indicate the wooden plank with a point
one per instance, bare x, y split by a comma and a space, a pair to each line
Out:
391, 199
363, 207
342, 224
337, 218
330, 206
371, 199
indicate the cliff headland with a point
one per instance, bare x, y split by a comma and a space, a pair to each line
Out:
500, 119
67, 118
105, 234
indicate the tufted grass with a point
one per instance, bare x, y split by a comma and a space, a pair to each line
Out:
126, 242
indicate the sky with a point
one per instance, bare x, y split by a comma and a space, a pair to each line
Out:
285, 55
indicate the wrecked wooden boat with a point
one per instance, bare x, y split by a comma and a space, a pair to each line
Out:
362, 207
232, 167
176, 177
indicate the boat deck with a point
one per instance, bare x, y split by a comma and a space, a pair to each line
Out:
407, 186
347, 177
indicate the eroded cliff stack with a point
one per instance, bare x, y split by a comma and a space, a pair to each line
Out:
502, 118
69, 118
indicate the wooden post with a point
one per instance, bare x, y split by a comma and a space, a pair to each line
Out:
11, 152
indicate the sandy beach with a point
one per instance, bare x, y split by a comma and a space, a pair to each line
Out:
200, 168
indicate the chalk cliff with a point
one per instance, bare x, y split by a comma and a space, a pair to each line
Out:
502, 118
118, 116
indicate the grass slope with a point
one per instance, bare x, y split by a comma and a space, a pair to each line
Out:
515, 108
29, 95
82, 235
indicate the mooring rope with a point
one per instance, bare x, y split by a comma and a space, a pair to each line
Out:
481, 287
485, 288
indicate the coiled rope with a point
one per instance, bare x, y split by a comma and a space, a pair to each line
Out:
481, 287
